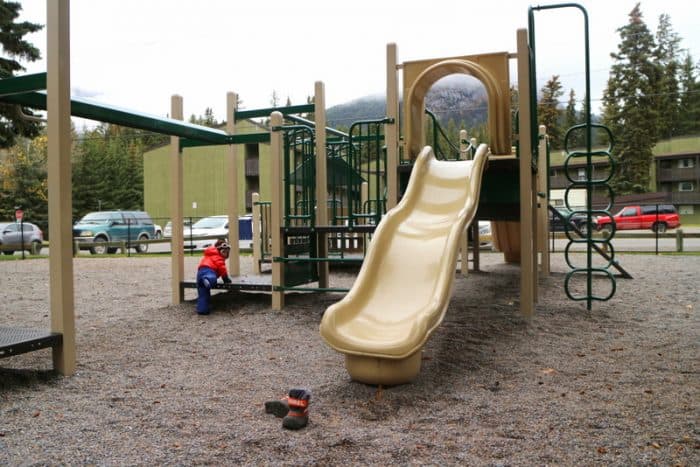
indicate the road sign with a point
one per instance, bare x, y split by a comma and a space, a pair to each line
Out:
19, 214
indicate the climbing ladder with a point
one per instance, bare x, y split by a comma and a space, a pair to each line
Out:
590, 184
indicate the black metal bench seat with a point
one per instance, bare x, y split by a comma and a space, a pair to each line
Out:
15, 341
249, 283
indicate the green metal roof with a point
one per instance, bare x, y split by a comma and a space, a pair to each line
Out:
337, 170
28, 91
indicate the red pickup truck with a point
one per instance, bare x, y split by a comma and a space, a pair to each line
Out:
642, 217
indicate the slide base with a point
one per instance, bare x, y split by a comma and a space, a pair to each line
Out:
385, 371
506, 238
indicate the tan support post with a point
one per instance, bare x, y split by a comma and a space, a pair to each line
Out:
59, 181
177, 241
477, 251
528, 267
392, 130
364, 197
464, 251
321, 180
542, 202
475, 232
463, 145
276, 153
234, 259
464, 240
257, 235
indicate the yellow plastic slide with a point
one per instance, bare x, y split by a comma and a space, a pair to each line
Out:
404, 286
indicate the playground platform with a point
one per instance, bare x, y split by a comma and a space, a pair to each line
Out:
15, 341
257, 283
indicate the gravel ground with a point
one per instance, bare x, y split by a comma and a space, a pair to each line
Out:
158, 385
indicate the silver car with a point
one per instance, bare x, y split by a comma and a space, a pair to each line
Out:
18, 236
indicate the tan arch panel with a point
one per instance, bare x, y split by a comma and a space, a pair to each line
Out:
490, 69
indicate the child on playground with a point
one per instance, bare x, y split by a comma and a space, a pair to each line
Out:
211, 267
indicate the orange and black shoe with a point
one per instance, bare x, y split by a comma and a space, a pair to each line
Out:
278, 408
298, 402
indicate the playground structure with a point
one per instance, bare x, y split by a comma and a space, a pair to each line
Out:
513, 193
381, 326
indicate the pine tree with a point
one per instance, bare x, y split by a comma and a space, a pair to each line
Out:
274, 99
23, 181
12, 123
90, 183
548, 112
667, 64
108, 170
630, 109
571, 119
689, 106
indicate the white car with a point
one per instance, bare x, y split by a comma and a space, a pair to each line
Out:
209, 227
168, 229
214, 227
485, 240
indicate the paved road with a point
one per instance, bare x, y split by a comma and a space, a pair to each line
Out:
629, 242
639, 240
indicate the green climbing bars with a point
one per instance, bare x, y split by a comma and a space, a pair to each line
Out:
589, 183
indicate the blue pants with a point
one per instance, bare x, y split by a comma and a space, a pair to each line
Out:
204, 289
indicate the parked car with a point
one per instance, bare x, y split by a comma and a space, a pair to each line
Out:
168, 230
642, 217
214, 227
96, 229
557, 223
15, 236
485, 239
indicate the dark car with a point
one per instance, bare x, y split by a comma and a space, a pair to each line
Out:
557, 222
31, 237
98, 231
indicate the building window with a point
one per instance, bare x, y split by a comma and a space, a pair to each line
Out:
686, 186
685, 163
686, 209
581, 174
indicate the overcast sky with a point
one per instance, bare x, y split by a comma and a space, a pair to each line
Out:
135, 54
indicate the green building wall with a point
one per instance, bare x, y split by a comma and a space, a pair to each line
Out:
204, 178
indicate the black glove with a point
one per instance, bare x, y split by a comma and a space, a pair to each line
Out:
226, 279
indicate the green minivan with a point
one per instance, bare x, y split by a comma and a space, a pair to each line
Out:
98, 231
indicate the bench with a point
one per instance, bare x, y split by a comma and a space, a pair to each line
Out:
250, 284
15, 341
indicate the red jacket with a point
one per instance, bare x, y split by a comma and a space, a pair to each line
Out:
213, 260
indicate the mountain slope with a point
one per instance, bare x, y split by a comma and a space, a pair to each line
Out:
448, 101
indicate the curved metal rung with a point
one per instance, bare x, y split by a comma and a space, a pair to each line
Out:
611, 252
589, 295
589, 183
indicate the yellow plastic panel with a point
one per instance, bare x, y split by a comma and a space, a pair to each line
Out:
491, 69
405, 283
